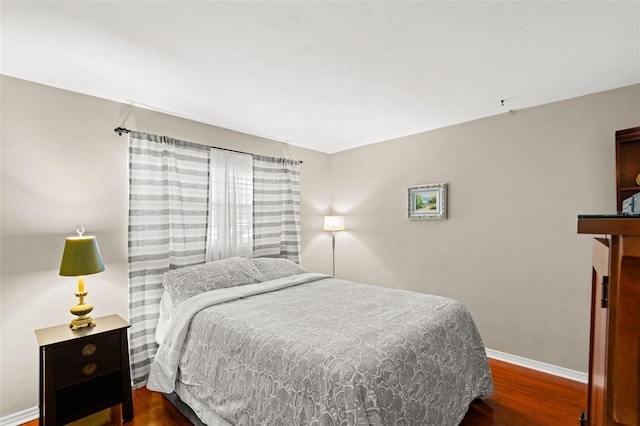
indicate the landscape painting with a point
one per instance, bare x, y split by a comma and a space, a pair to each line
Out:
428, 201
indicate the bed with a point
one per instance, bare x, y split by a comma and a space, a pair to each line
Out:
266, 342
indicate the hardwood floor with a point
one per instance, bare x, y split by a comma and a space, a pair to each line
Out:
522, 397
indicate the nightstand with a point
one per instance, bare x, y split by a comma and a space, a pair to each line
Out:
84, 371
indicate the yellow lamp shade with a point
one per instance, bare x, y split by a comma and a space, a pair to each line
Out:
81, 256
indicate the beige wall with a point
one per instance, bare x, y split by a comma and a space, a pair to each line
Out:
509, 249
62, 165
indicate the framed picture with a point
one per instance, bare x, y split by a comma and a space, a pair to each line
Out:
428, 201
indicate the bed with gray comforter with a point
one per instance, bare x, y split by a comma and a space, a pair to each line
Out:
308, 349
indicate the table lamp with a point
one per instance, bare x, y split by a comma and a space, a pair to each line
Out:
81, 257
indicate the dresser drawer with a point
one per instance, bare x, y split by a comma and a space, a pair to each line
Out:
84, 350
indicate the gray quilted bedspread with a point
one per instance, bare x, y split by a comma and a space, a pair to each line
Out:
334, 352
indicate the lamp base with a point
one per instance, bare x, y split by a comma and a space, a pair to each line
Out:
77, 323
81, 310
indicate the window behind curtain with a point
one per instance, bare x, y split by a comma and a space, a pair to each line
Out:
230, 205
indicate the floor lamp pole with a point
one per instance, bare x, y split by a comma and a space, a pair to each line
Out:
333, 246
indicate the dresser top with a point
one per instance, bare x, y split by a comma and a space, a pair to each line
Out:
609, 224
63, 333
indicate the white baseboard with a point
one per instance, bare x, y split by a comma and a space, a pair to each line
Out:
20, 417
577, 376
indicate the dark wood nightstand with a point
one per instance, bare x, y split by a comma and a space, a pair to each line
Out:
84, 371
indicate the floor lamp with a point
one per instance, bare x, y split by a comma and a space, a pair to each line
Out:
333, 224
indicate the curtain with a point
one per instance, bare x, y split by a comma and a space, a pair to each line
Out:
168, 204
230, 205
189, 203
276, 208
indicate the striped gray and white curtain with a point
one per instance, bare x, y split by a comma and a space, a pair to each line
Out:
168, 214
190, 203
276, 208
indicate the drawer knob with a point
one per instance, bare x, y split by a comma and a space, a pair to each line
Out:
89, 349
89, 369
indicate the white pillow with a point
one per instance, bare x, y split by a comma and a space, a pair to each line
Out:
166, 311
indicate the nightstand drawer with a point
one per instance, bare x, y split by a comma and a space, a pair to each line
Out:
77, 372
86, 349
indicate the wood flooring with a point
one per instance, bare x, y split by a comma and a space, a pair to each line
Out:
522, 397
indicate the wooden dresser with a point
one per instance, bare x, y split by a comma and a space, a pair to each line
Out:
614, 355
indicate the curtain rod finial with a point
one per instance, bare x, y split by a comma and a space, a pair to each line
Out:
120, 130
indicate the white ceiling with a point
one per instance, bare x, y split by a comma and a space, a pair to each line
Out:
325, 75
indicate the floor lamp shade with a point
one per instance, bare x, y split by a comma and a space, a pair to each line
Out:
333, 223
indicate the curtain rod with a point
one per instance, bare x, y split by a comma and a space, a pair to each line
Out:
121, 130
